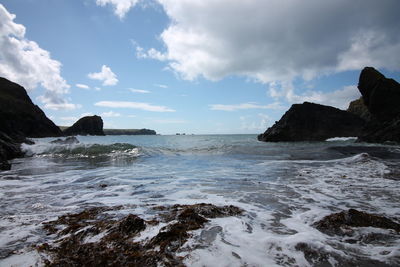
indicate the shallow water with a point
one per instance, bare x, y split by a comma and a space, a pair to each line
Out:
283, 187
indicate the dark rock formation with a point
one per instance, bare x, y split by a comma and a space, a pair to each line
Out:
19, 118
382, 97
341, 223
129, 132
90, 125
357, 107
313, 122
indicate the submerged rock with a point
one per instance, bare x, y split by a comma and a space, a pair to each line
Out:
89, 125
313, 122
341, 223
94, 237
67, 141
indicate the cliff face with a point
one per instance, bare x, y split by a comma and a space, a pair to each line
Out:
313, 122
90, 125
19, 116
382, 98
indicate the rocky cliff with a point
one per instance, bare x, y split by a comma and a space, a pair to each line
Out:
19, 118
89, 125
313, 122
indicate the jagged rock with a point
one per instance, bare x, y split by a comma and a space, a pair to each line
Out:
90, 125
313, 122
341, 223
382, 97
357, 107
19, 116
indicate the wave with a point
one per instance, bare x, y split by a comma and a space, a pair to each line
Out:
81, 150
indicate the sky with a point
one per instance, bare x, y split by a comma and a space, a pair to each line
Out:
194, 66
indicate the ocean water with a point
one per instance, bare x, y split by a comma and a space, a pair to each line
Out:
283, 187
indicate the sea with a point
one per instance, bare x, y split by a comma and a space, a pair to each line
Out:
283, 188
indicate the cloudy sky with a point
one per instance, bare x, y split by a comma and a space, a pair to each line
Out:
194, 66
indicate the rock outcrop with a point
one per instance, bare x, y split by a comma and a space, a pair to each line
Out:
89, 125
19, 118
313, 122
357, 107
382, 97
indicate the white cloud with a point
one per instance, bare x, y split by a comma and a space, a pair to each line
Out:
86, 114
26, 63
339, 98
274, 106
82, 86
133, 105
69, 119
139, 91
121, 7
161, 85
105, 75
54, 102
169, 121
110, 114
97, 88
259, 123
275, 41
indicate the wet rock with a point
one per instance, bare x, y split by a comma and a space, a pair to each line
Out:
313, 122
89, 125
319, 257
67, 141
95, 238
131, 224
341, 223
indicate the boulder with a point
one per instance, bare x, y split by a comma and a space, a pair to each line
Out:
89, 125
313, 122
19, 116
